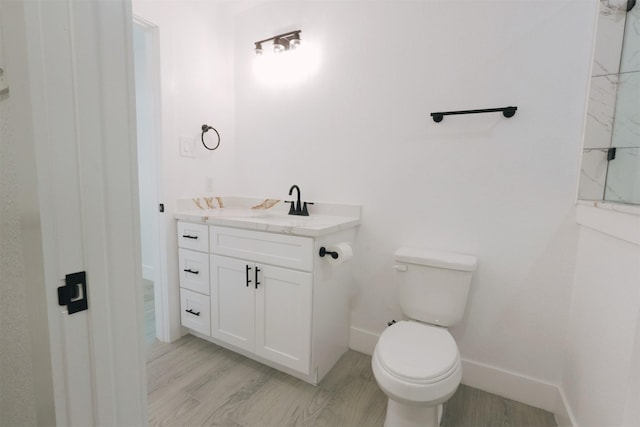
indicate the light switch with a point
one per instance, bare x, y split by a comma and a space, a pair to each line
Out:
187, 146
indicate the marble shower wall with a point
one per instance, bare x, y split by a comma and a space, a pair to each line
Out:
613, 116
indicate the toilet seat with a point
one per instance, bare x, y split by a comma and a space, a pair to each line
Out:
417, 363
417, 352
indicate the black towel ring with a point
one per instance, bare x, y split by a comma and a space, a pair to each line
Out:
205, 129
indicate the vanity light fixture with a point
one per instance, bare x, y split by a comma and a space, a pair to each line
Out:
281, 42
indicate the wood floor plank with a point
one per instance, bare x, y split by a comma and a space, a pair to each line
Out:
170, 409
227, 371
521, 415
222, 390
352, 365
174, 366
158, 349
310, 415
473, 407
285, 400
355, 402
237, 401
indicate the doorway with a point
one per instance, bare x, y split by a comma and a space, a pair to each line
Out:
153, 251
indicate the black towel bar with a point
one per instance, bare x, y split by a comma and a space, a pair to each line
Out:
506, 111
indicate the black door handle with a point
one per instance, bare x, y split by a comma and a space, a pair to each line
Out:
247, 274
188, 270
195, 313
74, 293
187, 236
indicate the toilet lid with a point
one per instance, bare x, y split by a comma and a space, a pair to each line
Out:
417, 352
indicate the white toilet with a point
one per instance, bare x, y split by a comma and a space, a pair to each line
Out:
416, 362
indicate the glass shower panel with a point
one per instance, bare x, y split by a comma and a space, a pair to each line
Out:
602, 101
623, 177
631, 42
623, 174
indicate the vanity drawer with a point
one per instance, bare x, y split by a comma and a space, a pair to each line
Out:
193, 236
194, 270
270, 248
194, 311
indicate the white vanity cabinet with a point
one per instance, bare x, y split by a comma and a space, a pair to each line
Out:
269, 297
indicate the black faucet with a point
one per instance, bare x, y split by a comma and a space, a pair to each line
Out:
296, 208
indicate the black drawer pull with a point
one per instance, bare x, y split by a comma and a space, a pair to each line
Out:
188, 270
195, 313
188, 236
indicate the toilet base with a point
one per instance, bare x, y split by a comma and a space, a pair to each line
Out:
402, 415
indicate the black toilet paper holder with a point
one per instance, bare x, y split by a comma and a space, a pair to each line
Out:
324, 251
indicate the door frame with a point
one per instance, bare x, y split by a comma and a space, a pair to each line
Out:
160, 284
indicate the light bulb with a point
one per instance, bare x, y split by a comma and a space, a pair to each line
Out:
294, 40
278, 46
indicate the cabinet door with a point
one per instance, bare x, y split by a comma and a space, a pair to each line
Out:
233, 301
283, 317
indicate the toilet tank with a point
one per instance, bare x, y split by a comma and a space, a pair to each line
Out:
433, 285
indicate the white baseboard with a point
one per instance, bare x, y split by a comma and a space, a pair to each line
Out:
564, 415
493, 380
362, 341
510, 385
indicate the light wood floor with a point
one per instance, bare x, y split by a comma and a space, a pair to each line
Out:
195, 383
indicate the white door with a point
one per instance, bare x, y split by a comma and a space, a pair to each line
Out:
233, 301
80, 75
283, 317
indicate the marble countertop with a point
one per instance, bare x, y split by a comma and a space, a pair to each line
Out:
271, 216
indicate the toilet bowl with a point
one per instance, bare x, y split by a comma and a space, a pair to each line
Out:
416, 362
417, 365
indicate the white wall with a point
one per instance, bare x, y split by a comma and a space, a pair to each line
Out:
196, 59
359, 131
197, 85
17, 405
26, 389
602, 368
